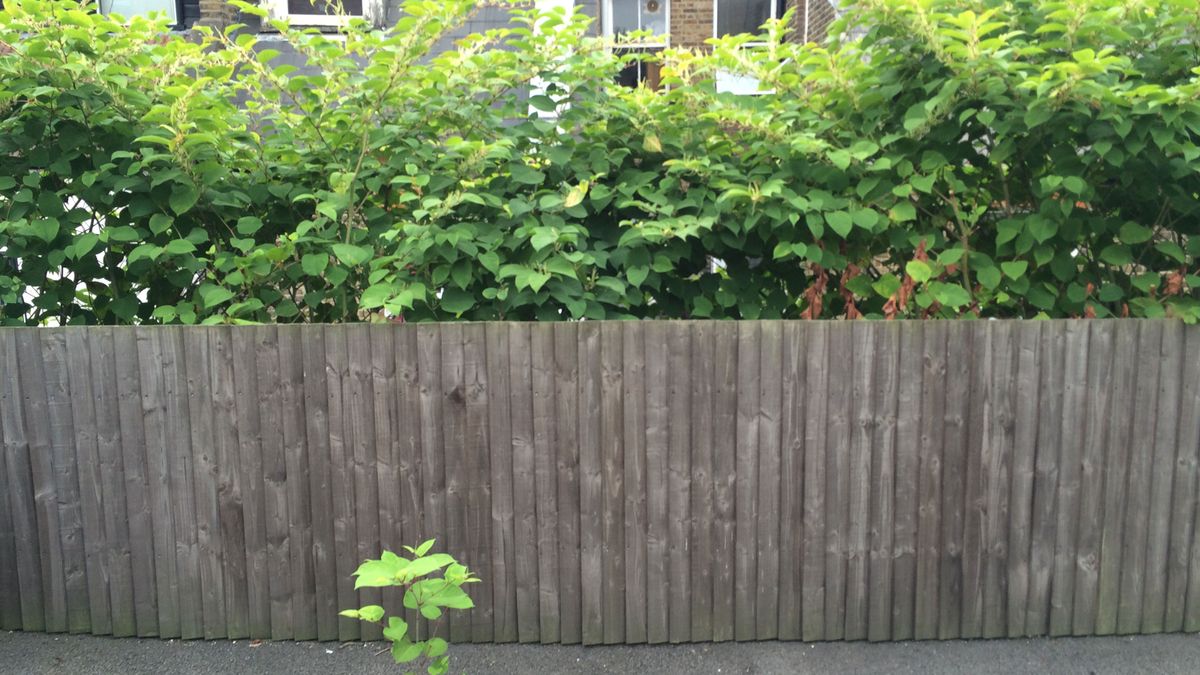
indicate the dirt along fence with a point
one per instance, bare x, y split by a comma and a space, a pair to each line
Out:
611, 482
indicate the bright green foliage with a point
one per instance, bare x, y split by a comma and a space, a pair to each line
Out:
430, 596
946, 158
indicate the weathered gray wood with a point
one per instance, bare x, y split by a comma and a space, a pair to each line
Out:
317, 437
904, 543
407, 426
293, 423
545, 451
341, 472
433, 463
91, 499
929, 482
837, 480
724, 477
358, 409
1020, 528
182, 483
812, 582
791, 476
1166, 432
478, 480
770, 393
274, 496
1179, 583
657, 538
66, 478
20, 489
209, 548
979, 417
679, 479
1045, 480
746, 494
862, 421
701, 507
137, 503
591, 484
525, 470
884, 395
612, 461
633, 416
955, 442
566, 392
228, 419
998, 470
249, 402
501, 408
10, 582
385, 413
1137, 506
1099, 409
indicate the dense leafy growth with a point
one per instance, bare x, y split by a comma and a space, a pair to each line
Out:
940, 158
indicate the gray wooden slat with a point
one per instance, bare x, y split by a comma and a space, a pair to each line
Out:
884, 394
837, 482
1166, 435
812, 589
770, 393
407, 434
1179, 583
274, 471
209, 546
91, 493
656, 482
724, 477
591, 484
545, 450
904, 542
746, 510
566, 394
20, 489
1137, 506
859, 498
1020, 528
1045, 478
999, 452
249, 402
478, 480
358, 410
929, 486
1098, 411
524, 482
975, 486
66, 478
317, 423
433, 456
701, 507
137, 504
293, 423
679, 479
501, 408
10, 581
955, 446
341, 478
791, 476
1116, 468
228, 420
154, 364
387, 434
612, 461
633, 416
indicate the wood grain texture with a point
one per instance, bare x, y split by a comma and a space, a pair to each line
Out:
501, 404
999, 444
293, 424
1028, 366
633, 416
791, 477
198, 365
837, 481
770, 399
1166, 434
249, 470
929, 480
545, 452
612, 463
746, 510
274, 496
1189, 439
885, 401
812, 582
525, 484
679, 480
979, 420
566, 392
955, 447
359, 418
1045, 481
904, 542
591, 484
656, 432
862, 423
317, 437
700, 510
478, 481
724, 477
10, 581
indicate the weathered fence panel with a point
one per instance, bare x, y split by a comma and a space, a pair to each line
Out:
612, 482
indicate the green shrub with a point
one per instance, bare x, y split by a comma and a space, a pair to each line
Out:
936, 158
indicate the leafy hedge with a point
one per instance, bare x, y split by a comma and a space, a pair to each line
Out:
944, 159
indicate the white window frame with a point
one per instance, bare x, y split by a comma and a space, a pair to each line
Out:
278, 9
743, 85
774, 10
606, 25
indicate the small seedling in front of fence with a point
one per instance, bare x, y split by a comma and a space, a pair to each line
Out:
429, 595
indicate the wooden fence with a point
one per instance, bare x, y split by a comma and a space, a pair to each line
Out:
611, 482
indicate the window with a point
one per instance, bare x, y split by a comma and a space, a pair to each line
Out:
622, 17
129, 8
320, 12
735, 17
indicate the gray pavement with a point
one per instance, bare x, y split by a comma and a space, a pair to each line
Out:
35, 653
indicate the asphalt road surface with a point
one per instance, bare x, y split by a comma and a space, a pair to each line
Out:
36, 653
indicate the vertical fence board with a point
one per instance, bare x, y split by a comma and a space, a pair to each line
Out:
791, 477
1137, 509
117, 550
275, 479
724, 477
904, 544
181, 467
700, 519
359, 415
341, 478
454, 457
770, 394
955, 443
478, 480
294, 413
591, 483
837, 479
679, 480
229, 420
633, 415
862, 421
812, 549
1189, 438
433, 465
248, 403
10, 581
929, 485
1166, 433
566, 393
885, 399
20, 489
746, 569
525, 486
612, 462
1020, 526
388, 432
998, 474
500, 415
974, 486
407, 436
1045, 480
317, 418
1098, 411
1179, 586
657, 420
197, 363
545, 452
